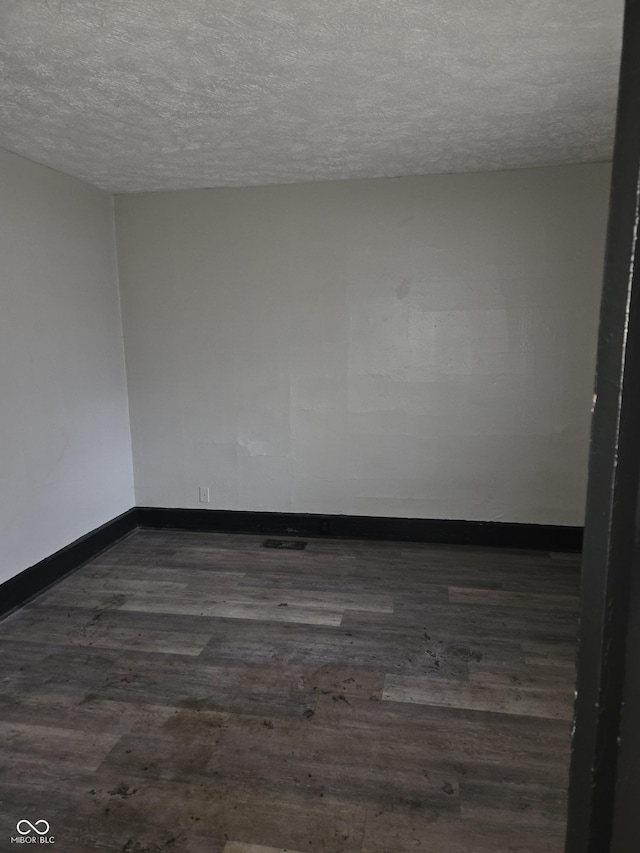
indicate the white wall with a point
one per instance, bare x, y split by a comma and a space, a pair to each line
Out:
415, 347
65, 448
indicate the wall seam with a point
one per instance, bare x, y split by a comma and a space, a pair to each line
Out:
116, 264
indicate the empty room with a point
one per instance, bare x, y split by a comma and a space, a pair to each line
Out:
299, 312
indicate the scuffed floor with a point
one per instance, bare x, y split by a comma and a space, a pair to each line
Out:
196, 692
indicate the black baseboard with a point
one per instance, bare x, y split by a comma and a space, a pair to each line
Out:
34, 580
494, 534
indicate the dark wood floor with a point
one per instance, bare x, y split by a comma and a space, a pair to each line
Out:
196, 692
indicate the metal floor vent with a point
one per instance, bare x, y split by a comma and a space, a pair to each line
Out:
285, 544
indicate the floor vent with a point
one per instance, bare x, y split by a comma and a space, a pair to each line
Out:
284, 544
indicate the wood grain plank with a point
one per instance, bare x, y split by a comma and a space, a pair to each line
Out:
98, 635
269, 611
48, 744
504, 598
502, 698
241, 847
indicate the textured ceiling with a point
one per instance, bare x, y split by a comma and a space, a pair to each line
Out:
165, 94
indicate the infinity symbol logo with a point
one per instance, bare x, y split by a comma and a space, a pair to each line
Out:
32, 827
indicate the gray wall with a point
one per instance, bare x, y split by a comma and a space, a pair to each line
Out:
65, 453
414, 347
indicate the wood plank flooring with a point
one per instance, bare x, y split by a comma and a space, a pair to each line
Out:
196, 692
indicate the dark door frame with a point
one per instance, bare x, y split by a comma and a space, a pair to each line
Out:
604, 788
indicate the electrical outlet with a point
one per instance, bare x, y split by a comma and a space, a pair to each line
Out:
204, 495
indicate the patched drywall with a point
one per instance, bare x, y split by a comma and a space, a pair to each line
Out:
65, 454
171, 94
417, 347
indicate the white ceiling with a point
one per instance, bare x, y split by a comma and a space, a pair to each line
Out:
166, 94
